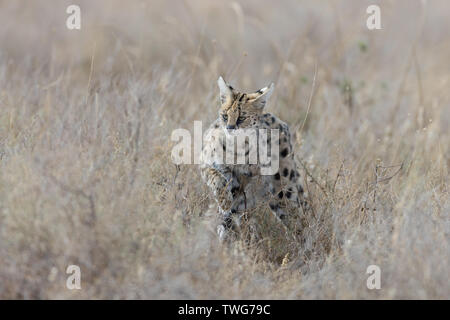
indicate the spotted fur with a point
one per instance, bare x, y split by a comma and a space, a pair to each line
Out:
240, 187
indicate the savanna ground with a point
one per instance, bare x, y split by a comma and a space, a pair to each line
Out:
86, 176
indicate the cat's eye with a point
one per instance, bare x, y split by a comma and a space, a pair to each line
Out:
240, 120
225, 117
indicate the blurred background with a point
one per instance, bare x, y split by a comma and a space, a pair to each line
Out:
85, 170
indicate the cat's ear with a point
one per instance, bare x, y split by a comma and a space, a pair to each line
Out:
259, 98
226, 91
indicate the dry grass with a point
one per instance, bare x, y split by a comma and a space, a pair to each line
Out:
85, 170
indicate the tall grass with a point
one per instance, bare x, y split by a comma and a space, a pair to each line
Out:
86, 176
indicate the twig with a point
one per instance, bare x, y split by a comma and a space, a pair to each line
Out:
396, 172
90, 72
312, 178
136, 154
338, 175
309, 100
78, 192
377, 180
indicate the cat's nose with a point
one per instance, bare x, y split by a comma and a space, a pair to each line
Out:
230, 126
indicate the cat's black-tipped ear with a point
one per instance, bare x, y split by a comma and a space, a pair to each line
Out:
260, 97
226, 91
